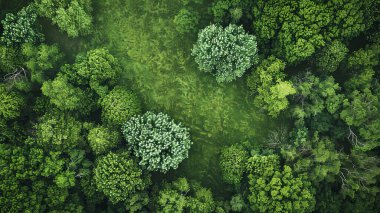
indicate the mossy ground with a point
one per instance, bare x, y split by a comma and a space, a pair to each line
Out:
159, 68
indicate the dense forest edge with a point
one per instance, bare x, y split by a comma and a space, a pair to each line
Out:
189, 106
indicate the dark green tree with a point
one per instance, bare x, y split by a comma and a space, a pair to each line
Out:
20, 28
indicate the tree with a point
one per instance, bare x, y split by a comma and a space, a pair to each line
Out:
20, 28
272, 91
119, 177
232, 163
62, 94
291, 30
118, 106
10, 103
358, 107
40, 59
275, 190
315, 95
102, 139
186, 21
329, 58
58, 131
226, 53
10, 59
73, 17
98, 68
157, 141
180, 196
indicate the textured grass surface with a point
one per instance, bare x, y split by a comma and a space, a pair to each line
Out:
158, 67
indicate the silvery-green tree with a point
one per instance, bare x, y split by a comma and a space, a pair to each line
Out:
225, 52
159, 142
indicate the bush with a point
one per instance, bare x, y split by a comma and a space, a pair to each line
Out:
160, 143
226, 53
118, 106
119, 177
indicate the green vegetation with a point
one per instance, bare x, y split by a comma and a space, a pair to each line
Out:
160, 143
189, 106
226, 53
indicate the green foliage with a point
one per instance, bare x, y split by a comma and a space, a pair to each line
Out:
275, 190
237, 203
329, 58
180, 196
186, 21
10, 59
118, 106
315, 95
40, 59
102, 139
157, 141
119, 177
98, 68
20, 28
11, 103
230, 10
73, 17
358, 107
294, 30
58, 131
226, 53
232, 163
63, 94
272, 91
359, 173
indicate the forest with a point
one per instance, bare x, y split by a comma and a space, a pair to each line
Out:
191, 106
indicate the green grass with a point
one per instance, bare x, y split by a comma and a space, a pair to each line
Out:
158, 67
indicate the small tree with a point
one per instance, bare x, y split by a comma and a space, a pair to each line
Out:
10, 104
118, 106
102, 139
186, 21
119, 177
330, 57
226, 53
20, 28
232, 163
160, 143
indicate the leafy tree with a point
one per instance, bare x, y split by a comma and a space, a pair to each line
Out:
292, 29
10, 103
275, 190
272, 91
10, 59
58, 131
186, 21
119, 177
230, 10
40, 59
232, 163
315, 95
180, 196
359, 173
118, 106
358, 107
20, 28
226, 53
63, 94
98, 68
329, 58
237, 203
102, 139
73, 17
157, 141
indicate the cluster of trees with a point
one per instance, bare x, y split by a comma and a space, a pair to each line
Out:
74, 138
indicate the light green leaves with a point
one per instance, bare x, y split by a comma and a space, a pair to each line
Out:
157, 141
225, 52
